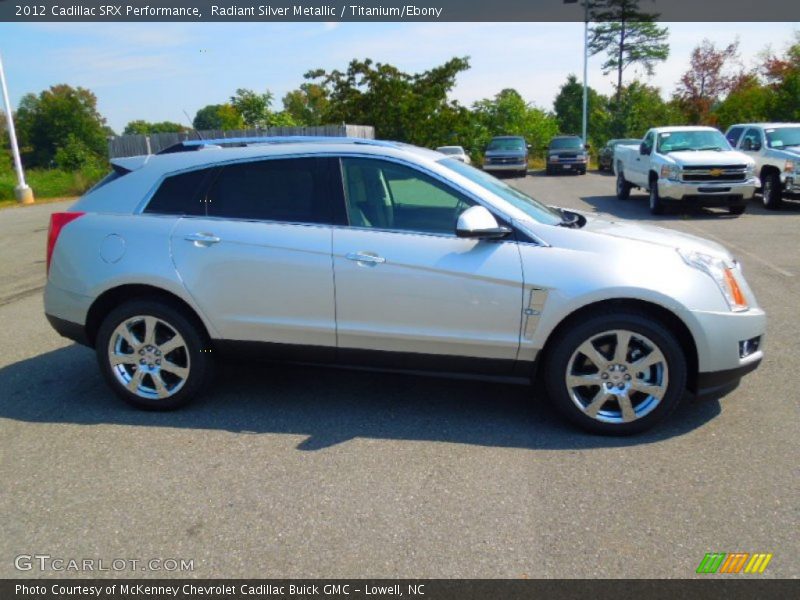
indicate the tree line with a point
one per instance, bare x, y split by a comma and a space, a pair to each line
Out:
62, 127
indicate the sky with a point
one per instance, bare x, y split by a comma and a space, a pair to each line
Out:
155, 71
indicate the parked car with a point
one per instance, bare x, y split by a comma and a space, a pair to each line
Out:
356, 252
686, 166
507, 154
567, 154
775, 148
605, 159
456, 152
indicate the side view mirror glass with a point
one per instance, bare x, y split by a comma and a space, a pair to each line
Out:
478, 223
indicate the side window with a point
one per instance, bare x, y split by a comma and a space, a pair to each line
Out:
648, 142
752, 140
180, 194
385, 195
733, 135
292, 190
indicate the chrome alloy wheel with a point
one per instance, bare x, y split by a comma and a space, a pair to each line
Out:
617, 376
149, 357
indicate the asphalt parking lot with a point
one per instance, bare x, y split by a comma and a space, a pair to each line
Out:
300, 472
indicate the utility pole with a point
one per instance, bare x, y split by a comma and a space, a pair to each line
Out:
23, 192
585, 64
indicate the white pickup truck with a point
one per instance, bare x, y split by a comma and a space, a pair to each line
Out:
688, 166
775, 147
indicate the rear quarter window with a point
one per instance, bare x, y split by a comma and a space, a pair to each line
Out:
181, 194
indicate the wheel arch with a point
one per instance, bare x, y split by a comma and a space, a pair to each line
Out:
113, 297
657, 312
769, 169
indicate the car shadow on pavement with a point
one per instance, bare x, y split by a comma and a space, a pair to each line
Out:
328, 405
637, 208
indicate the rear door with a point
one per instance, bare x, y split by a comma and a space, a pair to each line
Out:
258, 261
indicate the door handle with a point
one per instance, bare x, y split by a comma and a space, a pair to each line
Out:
363, 257
202, 239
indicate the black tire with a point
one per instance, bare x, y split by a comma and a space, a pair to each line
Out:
623, 187
771, 191
737, 209
656, 204
548, 170
561, 352
193, 355
523, 173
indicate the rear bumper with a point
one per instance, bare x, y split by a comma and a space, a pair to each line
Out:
707, 193
73, 331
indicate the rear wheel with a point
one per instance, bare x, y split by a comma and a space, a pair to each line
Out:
152, 356
616, 373
771, 190
623, 187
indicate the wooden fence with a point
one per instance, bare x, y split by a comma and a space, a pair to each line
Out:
136, 145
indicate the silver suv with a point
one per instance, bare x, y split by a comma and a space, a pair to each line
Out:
357, 252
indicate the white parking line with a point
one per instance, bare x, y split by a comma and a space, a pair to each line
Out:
741, 250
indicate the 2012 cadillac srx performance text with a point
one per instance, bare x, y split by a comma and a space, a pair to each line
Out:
380, 254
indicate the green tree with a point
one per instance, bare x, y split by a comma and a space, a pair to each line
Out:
254, 108
628, 36
748, 102
568, 107
47, 121
146, 128
308, 104
782, 75
401, 106
641, 107
508, 114
218, 117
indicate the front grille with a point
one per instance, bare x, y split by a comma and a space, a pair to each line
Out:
723, 174
512, 160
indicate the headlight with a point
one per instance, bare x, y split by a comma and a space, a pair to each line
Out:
671, 172
789, 166
721, 271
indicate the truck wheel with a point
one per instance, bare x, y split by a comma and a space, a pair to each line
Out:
771, 191
616, 373
656, 204
623, 187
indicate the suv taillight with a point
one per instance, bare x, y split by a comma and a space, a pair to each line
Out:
57, 222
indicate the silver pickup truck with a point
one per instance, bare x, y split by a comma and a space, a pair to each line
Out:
775, 147
686, 166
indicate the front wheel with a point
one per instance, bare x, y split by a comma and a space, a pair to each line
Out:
152, 355
771, 191
616, 373
656, 204
623, 187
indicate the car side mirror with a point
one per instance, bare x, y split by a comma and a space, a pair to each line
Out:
756, 146
528, 146
747, 144
478, 223
588, 146
643, 150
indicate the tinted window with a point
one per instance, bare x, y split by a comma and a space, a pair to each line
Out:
507, 144
296, 190
386, 195
566, 144
180, 194
733, 135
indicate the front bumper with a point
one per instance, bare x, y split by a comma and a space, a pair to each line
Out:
505, 167
566, 165
707, 193
719, 354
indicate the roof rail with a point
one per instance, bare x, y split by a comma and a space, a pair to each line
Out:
192, 145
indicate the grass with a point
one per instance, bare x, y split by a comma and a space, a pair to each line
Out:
50, 183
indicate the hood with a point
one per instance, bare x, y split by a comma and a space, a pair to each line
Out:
791, 153
653, 235
710, 158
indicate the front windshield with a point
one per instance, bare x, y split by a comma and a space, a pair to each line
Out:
507, 144
451, 150
533, 208
566, 143
784, 137
703, 139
